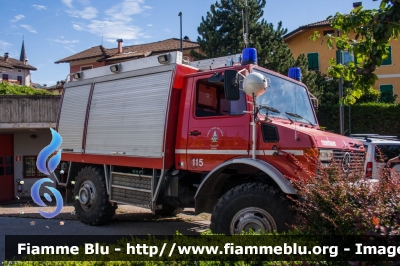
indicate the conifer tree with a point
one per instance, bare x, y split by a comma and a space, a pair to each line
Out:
221, 34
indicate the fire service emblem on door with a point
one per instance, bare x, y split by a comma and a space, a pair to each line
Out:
214, 134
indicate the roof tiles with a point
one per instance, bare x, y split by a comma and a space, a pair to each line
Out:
14, 63
322, 23
132, 51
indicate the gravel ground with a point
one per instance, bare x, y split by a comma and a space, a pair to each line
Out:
25, 208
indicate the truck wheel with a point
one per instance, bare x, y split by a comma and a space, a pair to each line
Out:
91, 199
254, 206
168, 210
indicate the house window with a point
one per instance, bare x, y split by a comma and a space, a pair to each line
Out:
86, 67
19, 79
347, 57
386, 92
388, 60
5, 76
312, 61
329, 32
19, 70
30, 169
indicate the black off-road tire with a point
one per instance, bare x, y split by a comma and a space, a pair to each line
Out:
168, 210
92, 180
253, 206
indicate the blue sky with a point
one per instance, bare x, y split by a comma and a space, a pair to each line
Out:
54, 29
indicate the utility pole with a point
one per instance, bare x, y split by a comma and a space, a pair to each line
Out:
341, 107
246, 19
355, 5
180, 15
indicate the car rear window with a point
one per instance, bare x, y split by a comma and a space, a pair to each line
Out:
383, 153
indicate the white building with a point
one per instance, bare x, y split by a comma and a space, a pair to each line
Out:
16, 71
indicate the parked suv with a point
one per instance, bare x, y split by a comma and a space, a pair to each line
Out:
379, 150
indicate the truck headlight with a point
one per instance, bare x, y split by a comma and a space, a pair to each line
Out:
325, 155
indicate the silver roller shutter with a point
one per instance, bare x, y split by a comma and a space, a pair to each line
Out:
127, 116
72, 118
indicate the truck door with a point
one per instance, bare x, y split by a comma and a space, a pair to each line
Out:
218, 128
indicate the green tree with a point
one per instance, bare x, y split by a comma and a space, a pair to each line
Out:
221, 33
370, 96
373, 30
326, 89
10, 89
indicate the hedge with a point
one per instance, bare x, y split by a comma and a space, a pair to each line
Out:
376, 118
12, 89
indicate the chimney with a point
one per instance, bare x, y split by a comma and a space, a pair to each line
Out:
6, 57
120, 46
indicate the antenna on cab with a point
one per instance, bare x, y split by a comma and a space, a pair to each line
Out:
245, 19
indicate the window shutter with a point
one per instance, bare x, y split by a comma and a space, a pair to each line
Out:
388, 60
387, 89
338, 57
312, 61
309, 61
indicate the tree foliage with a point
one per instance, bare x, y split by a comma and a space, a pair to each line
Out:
10, 89
325, 89
373, 29
221, 33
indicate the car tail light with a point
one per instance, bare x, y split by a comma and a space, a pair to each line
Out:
368, 170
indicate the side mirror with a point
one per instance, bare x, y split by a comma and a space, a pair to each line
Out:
231, 85
314, 100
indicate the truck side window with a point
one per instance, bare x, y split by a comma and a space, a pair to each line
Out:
237, 107
210, 101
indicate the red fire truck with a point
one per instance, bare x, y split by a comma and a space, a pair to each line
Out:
221, 135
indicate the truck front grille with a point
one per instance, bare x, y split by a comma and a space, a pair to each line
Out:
349, 161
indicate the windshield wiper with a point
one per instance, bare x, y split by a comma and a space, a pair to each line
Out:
299, 116
275, 111
270, 109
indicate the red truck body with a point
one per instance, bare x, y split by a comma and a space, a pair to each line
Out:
205, 150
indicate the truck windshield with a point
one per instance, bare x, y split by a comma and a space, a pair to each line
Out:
286, 96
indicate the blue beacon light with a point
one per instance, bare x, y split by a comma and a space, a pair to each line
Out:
295, 73
249, 56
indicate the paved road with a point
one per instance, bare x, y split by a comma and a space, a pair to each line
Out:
23, 219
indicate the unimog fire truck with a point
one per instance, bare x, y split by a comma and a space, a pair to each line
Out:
223, 136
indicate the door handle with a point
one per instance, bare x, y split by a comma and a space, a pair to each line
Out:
194, 133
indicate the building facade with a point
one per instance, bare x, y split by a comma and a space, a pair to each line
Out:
318, 55
25, 123
16, 71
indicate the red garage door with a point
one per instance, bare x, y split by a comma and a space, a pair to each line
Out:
6, 167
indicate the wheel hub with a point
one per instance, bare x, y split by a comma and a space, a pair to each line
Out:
87, 195
252, 218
